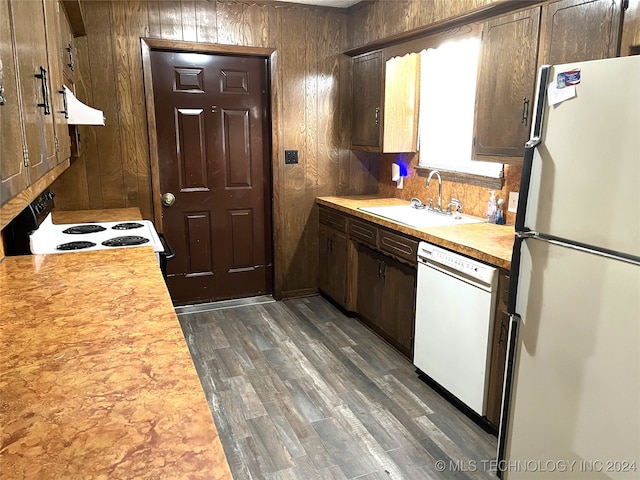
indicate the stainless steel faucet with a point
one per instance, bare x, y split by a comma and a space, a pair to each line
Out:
437, 173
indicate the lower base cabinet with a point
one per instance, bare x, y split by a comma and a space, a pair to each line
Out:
370, 271
332, 271
498, 351
386, 298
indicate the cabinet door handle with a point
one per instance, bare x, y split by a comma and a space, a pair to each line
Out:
45, 91
69, 49
525, 110
64, 101
377, 115
330, 244
383, 269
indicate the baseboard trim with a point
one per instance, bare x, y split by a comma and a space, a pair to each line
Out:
303, 292
234, 303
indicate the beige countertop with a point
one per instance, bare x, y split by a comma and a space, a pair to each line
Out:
484, 241
96, 380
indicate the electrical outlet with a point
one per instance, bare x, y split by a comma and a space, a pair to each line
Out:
290, 157
513, 202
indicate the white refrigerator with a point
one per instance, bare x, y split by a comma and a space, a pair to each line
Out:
571, 407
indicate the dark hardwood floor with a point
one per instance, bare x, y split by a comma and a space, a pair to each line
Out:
300, 391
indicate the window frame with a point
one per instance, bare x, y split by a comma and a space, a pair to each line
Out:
433, 41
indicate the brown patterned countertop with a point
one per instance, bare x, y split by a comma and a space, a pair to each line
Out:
96, 380
484, 241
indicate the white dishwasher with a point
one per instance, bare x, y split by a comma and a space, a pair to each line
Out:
455, 306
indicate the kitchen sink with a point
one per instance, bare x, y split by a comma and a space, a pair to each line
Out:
420, 218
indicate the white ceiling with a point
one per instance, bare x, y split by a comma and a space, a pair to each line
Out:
327, 3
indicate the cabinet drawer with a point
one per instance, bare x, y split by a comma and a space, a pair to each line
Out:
363, 231
398, 245
333, 219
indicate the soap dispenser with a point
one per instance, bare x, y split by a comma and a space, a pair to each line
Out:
500, 220
491, 207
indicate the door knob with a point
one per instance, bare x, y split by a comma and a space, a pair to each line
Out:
168, 199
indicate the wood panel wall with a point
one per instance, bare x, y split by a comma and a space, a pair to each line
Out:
311, 87
371, 21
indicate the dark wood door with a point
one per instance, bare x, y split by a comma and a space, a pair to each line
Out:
366, 113
580, 30
506, 84
213, 148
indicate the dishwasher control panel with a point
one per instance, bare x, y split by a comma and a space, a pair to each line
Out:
430, 253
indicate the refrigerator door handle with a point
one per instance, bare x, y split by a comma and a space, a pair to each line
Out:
530, 147
514, 274
525, 180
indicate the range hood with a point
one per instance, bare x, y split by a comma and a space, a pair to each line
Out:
80, 114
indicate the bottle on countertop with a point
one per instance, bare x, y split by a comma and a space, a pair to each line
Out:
500, 220
492, 207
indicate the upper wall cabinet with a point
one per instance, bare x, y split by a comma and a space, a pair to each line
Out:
401, 104
67, 52
366, 113
34, 130
13, 173
505, 88
35, 85
580, 30
57, 50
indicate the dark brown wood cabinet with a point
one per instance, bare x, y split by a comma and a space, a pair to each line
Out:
54, 17
67, 52
333, 264
333, 250
371, 271
367, 102
386, 298
34, 130
498, 351
580, 30
13, 172
505, 87
34, 77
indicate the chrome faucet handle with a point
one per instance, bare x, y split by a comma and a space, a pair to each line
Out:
417, 203
456, 203
430, 203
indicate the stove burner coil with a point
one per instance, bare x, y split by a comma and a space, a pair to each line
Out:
125, 241
75, 245
127, 226
82, 229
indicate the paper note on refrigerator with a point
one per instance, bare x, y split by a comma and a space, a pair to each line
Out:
557, 95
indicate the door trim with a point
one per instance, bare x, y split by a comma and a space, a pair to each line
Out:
270, 54
149, 44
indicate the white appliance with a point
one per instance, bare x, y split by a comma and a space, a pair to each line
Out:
61, 238
572, 387
455, 305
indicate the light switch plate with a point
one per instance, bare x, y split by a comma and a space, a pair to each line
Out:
513, 202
